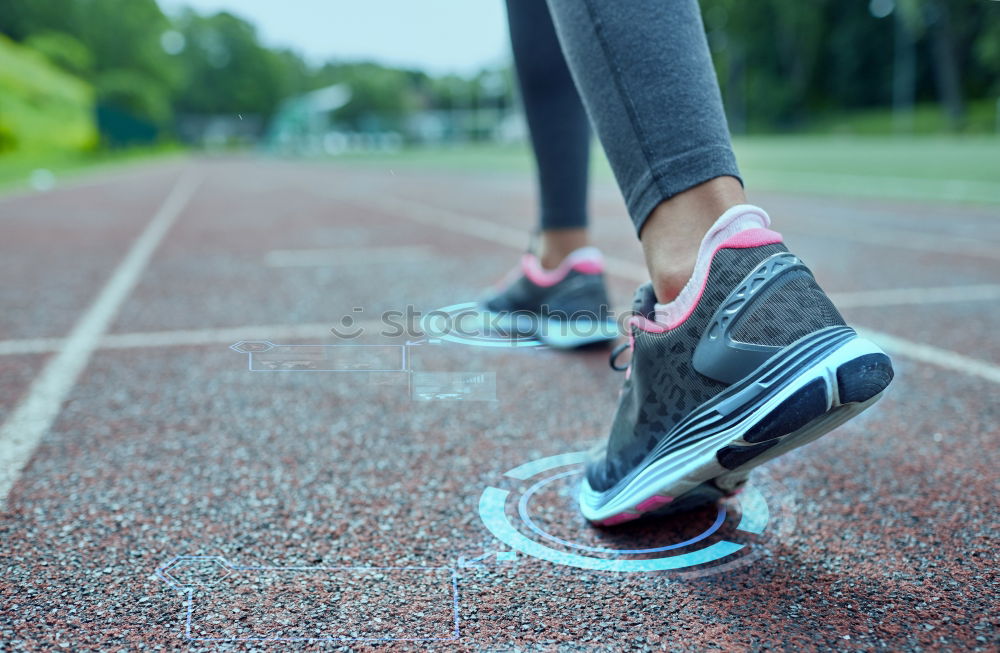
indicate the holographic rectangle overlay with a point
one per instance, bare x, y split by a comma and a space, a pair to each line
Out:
335, 604
453, 386
388, 378
329, 358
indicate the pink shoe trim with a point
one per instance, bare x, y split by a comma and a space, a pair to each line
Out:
742, 240
586, 260
752, 238
589, 266
744, 225
645, 324
741, 226
618, 519
631, 348
654, 502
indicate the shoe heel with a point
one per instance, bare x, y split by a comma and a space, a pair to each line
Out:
859, 380
864, 377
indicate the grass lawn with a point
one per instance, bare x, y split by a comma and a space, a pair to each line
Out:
965, 169
945, 168
17, 170
933, 168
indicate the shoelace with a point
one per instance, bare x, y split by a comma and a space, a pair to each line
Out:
615, 353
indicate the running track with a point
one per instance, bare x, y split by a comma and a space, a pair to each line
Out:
132, 434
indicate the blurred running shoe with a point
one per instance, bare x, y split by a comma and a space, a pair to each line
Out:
566, 307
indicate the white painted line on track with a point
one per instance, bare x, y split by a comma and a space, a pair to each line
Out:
30, 346
278, 332
38, 409
486, 230
293, 258
933, 355
211, 335
194, 337
917, 296
228, 336
897, 238
275, 333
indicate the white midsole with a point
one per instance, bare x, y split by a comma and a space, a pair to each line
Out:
687, 468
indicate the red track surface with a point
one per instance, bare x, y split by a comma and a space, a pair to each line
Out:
883, 533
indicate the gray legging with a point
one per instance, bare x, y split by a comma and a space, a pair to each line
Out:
644, 72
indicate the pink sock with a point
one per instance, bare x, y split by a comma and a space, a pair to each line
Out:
740, 218
586, 259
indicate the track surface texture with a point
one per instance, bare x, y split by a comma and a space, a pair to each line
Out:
341, 510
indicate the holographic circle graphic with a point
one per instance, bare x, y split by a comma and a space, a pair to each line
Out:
468, 324
532, 540
523, 511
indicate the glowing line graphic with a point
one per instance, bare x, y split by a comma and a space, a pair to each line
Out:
189, 589
522, 510
492, 510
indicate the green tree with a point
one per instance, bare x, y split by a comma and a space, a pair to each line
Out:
225, 69
65, 51
125, 62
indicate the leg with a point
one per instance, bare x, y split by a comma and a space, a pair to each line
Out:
646, 77
566, 277
560, 133
673, 231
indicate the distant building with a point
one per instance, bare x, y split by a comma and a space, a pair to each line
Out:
303, 122
307, 125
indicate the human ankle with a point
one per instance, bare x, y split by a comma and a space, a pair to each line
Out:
674, 230
556, 244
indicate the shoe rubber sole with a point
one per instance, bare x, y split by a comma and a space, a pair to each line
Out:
761, 418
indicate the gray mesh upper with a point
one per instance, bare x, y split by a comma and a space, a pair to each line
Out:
664, 387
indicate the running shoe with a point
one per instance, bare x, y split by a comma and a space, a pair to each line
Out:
749, 362
566, 307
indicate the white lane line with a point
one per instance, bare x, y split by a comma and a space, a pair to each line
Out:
38, 409
196, 337
933, 355
897, 238
495, 233
226, 336
278, 332
229, 335
484, 229
293, 258
30, 346
181, 337
490, 231
917, 296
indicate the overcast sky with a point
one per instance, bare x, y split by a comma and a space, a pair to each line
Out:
438, 36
